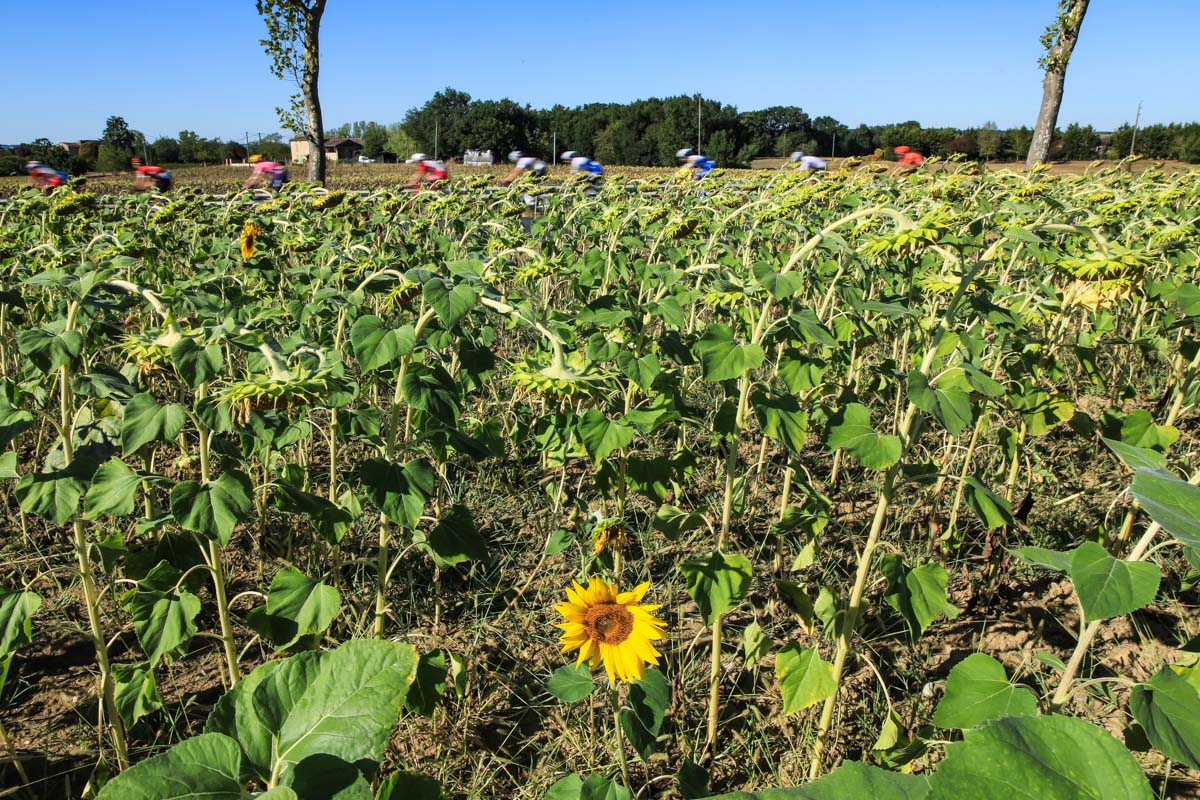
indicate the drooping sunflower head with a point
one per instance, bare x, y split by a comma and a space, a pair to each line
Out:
610, 627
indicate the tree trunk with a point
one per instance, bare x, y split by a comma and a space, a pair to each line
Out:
1057, 56
312, 101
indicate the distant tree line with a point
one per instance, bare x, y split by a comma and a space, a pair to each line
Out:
641, 133
119, 143
649, 132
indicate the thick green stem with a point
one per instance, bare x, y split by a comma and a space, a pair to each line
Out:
217, 568
90, 595
846, 636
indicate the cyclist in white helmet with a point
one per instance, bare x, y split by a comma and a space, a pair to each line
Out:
428, 171
698, 164
522, 163
588, 167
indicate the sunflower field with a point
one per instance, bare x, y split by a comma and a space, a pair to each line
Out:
856, 485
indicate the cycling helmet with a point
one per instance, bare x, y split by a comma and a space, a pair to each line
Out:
254, 159
685, 152
796, 156
30, 165
515, 155
568, 155
415, 157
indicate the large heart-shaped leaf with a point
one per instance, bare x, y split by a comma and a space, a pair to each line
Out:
205, 767
164, 613
642, 718
1172, 503
850, 781
1139, 430
919, 593
397, 489
1042, 758
781, 418
376, 345
431, 389
978, 691
1107, 586
851, 430
804, 679
212, 509
947, 400
16, 610
717, 582
338, 705
297, 607
722, 358
196, 363
455, 539
113, 491
50, 495
571, 683
601, 435
146, 420
136, 692
49, 347
449, 303
1168, 708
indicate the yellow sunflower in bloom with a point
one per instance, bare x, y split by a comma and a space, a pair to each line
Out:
250, 234
610, 627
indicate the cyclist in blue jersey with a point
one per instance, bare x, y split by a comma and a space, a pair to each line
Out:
698, 164
590, 168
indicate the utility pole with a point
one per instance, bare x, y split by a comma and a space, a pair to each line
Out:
833, 149
1136, 119
698, 108
247, 146
435, 140
554, 149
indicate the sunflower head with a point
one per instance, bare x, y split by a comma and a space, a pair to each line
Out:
609, 627
249, 239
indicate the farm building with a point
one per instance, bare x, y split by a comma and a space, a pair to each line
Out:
86, 145
337, 148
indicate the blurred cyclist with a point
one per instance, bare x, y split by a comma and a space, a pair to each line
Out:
523, 163
44, 177
807, 163
698, 164
428, 171
271, 173
148, 177
909, 156
589, 168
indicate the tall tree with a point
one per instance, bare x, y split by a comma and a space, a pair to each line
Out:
1059, 41
293, 28
116, 145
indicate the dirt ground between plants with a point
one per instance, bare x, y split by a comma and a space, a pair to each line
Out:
506, 737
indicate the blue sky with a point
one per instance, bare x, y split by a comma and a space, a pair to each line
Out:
171, 65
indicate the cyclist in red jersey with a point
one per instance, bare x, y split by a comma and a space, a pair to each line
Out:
428, 171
